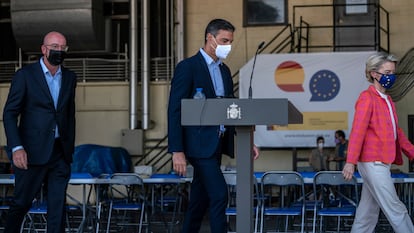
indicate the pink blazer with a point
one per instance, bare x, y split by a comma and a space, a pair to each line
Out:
372, 136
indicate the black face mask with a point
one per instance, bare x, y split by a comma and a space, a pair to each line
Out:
56, 57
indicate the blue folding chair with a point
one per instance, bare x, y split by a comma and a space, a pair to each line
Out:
35, 219
289, 202
128, 198
231, 210
167, 199
339, 198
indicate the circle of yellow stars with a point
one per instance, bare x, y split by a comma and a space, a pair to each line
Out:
332, 84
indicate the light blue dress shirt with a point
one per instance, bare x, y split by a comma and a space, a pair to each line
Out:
216, 78
54, 82
215, 73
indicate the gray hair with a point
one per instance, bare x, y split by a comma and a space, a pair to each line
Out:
375, 62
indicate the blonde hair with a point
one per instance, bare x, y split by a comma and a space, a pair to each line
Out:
375, 61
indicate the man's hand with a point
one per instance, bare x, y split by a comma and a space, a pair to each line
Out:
20, 159
179, 163
348, 171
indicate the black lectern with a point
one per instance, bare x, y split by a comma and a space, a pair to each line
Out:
244, 114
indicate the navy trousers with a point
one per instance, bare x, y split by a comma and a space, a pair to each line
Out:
208, 193
54, 176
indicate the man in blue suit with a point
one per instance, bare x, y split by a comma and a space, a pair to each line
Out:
39, 121
203, 146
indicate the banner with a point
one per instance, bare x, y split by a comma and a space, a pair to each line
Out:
323, 87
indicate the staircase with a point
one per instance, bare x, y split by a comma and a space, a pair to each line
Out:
296, 37
405, 74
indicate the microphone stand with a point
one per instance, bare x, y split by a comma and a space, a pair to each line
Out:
254, 64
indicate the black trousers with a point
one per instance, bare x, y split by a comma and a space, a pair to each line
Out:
208, 193
54, 176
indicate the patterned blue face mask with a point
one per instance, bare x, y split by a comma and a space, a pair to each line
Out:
386, 80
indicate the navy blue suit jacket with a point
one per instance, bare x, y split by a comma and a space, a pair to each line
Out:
30, 117
196, 141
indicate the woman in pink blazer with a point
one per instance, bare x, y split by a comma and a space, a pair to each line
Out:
375, 143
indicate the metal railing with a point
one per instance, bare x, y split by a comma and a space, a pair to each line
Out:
97, 69
405, 74
380, 24
156, 154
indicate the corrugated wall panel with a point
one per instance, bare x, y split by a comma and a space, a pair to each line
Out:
81, 21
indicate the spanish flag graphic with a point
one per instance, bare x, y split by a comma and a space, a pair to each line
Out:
289, 76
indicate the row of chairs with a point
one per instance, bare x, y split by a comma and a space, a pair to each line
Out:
129, 203
35, 220
124, 205
283, 200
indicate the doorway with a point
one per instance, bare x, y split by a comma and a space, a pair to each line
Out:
356, 25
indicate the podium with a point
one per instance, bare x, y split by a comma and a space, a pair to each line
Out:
243, 114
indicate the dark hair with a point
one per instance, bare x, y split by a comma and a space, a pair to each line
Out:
340, 133
218, 24
320, 138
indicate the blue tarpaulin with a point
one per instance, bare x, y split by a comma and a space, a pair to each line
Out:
98, 159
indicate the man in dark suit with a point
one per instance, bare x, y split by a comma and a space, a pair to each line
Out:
203, 146
39, 121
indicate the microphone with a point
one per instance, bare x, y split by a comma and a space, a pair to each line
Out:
254, 64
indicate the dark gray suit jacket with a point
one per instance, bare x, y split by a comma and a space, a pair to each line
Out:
30, 117
196, 141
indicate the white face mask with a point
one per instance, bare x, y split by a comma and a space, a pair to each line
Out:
320, 145
222, 51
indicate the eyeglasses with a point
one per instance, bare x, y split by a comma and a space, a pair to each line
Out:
57, 47
387, 73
